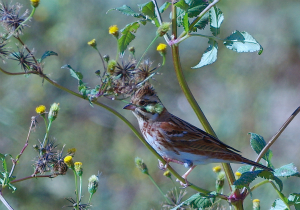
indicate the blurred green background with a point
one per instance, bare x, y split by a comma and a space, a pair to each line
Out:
240, 93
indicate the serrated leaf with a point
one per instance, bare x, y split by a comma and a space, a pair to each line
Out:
76, 74
196, 7
278, 205
182, 5
210, 54
186, 22
164, 7
294, 199
216, 18
125, 10
257, 143
202, 22
242, 42
148, 9
287, 171
199, 201
248, 177
127, 35
47, 54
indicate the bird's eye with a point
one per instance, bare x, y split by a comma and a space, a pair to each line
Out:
142, 103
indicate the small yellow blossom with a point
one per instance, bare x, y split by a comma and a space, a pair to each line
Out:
78, 168
114, 30
40, 109
256, 204
217, 169
35, 3
69, 161
237, 175
92, 43
72, 151
167, 174
161, 47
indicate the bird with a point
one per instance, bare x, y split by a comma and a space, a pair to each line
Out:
177, 140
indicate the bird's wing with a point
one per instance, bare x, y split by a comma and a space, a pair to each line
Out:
184, 135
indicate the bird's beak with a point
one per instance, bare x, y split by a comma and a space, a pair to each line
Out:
130, 107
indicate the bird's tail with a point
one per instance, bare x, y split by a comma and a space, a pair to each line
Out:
250, 162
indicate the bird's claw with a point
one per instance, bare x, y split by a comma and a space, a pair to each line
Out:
162, 166
184, 185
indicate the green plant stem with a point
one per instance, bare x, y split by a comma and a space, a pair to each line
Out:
281, 196
6, 204
76, 189
155, 38
80, 186
46, 135
258, 185
90, 198
134, 130
150, 177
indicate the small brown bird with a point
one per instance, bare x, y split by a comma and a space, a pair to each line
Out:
177, 140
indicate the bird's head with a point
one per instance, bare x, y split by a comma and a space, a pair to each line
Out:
145, 103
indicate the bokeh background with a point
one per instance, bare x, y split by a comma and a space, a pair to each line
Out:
240, 93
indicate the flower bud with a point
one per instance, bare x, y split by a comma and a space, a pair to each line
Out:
163, 29
237, 175
93, 43
168, 174
35, 3
162, 49
141, 165
78, 168
53, 111
111, 66
93, 184
217, 169
256, 204
106, 58
220, 181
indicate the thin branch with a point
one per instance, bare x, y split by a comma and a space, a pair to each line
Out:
18, 73
5, 202
15, 161
30, 177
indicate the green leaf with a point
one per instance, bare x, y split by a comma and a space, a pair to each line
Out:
164, 7
199, 201
4, 165
242, 42
294, 199
127, 11
216, 18
186, 22
76, 74
210, 55
182, 5
278, 205
127, 35
148, 9
287, 171
257, 143
248, 177
196, 7
46, 54
201, 23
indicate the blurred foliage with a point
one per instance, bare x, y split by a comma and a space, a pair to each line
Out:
240, 93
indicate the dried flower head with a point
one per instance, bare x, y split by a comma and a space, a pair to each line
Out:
93, 184
164, 28
11, 19
53, 111
175, 199
3, 51
25, 59
80, 206
145, 71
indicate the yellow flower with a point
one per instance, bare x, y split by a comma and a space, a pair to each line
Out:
72, 151
114, 30
78, 168
35, 3
217, 169
167, 174
92, 43
256, 204
40, 109
69, 161
161, 47
237, 175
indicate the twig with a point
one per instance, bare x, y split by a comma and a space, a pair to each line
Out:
5, 202
15, 161
272, 141
30, 177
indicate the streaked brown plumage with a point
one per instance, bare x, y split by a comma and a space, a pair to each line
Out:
177, 140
